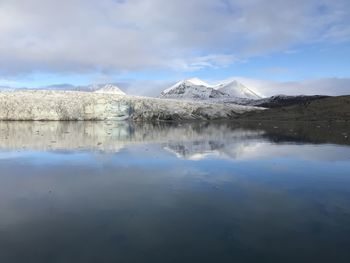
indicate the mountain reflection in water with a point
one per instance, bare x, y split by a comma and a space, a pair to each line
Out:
190, 192
186, 140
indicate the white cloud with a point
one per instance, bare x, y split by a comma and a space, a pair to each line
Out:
323, 86
267, 150
209, 61
88, 35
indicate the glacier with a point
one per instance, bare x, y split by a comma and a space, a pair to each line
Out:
27, 105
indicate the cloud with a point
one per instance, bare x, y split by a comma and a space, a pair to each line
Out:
262, 150
209, 61
323, 86
108, 35
149, 88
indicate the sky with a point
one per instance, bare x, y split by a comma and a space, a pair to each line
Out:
272, 46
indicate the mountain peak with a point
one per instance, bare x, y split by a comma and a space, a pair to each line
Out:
195, 88
237, 89
192, 89
108, 88
187, 82
197, 81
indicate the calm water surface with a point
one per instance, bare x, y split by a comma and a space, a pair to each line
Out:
120, 192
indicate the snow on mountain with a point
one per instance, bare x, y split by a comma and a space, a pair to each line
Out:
196, 89
192, 89
98, 88
236, 89
107, 88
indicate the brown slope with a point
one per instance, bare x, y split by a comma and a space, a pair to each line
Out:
324, 109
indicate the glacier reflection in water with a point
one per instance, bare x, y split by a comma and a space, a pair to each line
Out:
189, 140
191, 192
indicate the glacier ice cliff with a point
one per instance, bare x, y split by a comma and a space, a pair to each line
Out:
74, 105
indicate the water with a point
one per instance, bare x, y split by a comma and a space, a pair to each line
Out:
120, 192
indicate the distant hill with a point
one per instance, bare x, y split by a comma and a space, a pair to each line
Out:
5, 88
321, 109
98, 88
59, 87
283, 100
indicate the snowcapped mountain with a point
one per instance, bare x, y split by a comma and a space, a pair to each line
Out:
196, 89
188, 82
236, 89
192, 89
98, 88
107, 88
